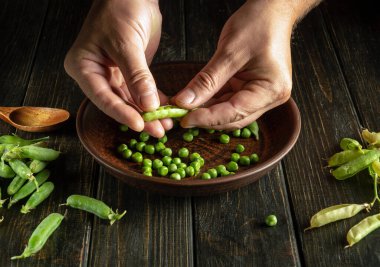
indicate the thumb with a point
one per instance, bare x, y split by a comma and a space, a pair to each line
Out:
140, 82
208, 81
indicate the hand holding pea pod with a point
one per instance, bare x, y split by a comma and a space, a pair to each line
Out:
93, 206
164, 112
41, 234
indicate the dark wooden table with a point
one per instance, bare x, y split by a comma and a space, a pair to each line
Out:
336, 70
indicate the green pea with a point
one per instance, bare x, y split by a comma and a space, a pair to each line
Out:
121, 148
144, 136
200, 160
166, 160
140, 146
254, 158
147, 173
137, 157
224, 138
235, 157
232, 166
163, 139
127, 154
188, 137
163, 171
149, 149
246, 133
159, 146
182, 165
254, 129
236, 133
123, 128
183, 152
190, 171
15, 185
244, 161
38, 197
220, 169
132, 143
239, 148
271, 220
146, 169
176, 161
175, 176
210, 131
166, 151
196, 165
41, 234
194, 156
172, 168
94, 206
147, 162
157, 164
194, 131
205, 176
181, 172
213, 173
224, 173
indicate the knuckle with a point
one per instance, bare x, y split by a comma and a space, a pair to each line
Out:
207, 81
282, 91
140, 80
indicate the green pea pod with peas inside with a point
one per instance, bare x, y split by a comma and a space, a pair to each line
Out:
371, 138
32, 152
345, 156
37, 166
350, 144
164, 112
38, 197
15, 185
336, 213
18, 141
29, 188
93, 206
22, 170
41, 234
5, 148
362, 229
6, 171
352, 167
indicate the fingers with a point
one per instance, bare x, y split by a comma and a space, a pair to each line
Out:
132, 62
222, 66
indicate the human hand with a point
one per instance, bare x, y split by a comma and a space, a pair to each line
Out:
110, 58
250, 71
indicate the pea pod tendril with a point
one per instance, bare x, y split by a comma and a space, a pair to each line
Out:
336, 213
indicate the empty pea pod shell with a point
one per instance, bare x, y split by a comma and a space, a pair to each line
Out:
349, 144
41, 234
254, 128
362, 229
352, 167
93, 206
164, 112
335, 213
371, 138
344, 156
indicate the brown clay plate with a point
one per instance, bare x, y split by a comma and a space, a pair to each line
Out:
100, 135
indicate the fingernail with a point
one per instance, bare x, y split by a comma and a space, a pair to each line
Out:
186, 97
149, 100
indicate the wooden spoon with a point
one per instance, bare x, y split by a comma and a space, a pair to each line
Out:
34, 119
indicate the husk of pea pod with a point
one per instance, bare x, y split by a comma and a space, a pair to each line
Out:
336, 213
372, 138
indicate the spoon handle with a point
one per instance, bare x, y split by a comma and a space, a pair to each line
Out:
4, 113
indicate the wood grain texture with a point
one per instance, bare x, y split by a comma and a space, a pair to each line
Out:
328, 115
157, 230
228, 228
75, 171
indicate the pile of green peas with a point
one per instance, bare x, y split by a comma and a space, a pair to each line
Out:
351, 160
183, 164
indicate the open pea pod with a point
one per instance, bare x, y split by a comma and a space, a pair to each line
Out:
336, 213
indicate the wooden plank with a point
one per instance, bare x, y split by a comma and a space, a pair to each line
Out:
328, 115
157, 230
355, 30
75, 171
229, 228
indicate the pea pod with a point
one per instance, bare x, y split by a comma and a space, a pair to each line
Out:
37, 197
93, 206
345, 156
41, 234
362, 229
37, 165
16, 140
15, 185
164, 112
32, 152
350, 144
29, 188
371, 138
352, 167
336, 213
6, 171
5, 148
22, 170
254, 128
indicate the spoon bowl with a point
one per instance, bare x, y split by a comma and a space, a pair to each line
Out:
34, 119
